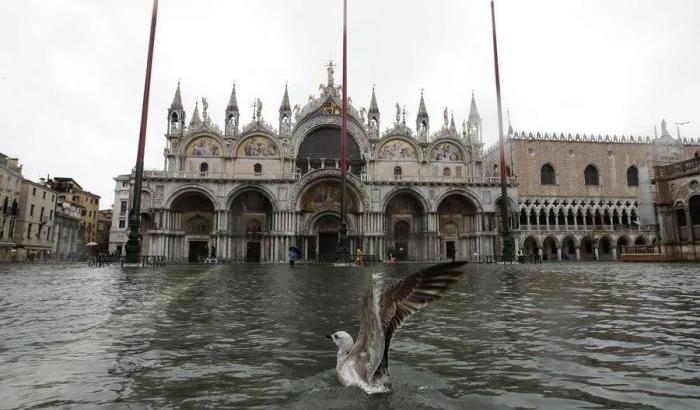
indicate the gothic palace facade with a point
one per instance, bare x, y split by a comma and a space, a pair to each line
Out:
251, 191
584, 197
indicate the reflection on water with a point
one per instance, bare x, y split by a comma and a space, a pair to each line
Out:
544, 336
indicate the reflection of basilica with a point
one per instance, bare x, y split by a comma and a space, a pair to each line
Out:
249, 192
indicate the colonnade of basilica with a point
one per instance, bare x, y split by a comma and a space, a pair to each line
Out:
194, 226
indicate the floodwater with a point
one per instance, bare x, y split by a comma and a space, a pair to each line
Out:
549, 336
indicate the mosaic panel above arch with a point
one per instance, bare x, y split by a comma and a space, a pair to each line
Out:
397, 149
257, 147
325, 195
446, 151
204, 146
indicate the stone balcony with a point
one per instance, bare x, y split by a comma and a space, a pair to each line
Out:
587, 229
677, 170
291, 177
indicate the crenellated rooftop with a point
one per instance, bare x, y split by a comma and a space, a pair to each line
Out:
578, 137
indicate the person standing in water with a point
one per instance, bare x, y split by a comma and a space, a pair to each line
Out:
292, 256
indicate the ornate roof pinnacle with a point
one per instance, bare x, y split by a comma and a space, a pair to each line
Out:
422, 111
473, 111
232, 101
196, 121
177, 99
285, 107
373, 103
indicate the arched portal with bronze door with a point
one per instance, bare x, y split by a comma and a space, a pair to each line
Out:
319, 213
457, 226
404, 217
193, 215
249, 226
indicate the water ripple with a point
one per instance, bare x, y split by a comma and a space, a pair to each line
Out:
543, 336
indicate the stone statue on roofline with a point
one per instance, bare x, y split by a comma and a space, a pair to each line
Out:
330, 68
664, 129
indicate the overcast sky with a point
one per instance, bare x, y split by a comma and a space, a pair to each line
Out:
72, 72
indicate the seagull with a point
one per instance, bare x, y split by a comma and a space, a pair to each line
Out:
365, 363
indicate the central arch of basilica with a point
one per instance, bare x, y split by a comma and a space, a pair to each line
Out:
248, 193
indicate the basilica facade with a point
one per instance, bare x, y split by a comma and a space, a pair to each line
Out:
249, 191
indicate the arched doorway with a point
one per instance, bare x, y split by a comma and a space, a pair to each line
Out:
321, 149
586, 248
319, 205
194, 216
401, 235
694, 210
457, 219
250, 223
621, 243
568, 249
605, 248
327, 229
530, 247
549, 249
641, 240
404, 215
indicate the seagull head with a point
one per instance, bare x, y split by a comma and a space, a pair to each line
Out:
342, 339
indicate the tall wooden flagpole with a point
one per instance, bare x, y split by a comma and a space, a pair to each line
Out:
506, 236
133, 245
343, 247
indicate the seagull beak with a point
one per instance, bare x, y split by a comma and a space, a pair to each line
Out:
329, 337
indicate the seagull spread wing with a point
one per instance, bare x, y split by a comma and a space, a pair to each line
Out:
369, 348
409, 295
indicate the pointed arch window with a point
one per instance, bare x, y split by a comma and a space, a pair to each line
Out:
632, 176
174, 122
547, 175
561, 218
590, 175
